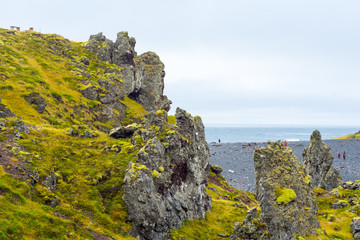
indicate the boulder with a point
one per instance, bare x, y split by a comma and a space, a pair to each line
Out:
216, 169
5, 111
21, 127
167, 183
37, 100
251, 228
90, 92
339, 204
124, 132
355, 227
287, 199
50, 182
350, 185
318, 160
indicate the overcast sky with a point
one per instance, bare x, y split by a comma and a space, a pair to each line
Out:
235, 62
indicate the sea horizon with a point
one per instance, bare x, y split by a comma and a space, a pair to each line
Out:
231, 134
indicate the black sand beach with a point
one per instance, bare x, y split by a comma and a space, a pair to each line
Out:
236, 159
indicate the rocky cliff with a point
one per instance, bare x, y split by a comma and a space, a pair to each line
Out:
142, 76
59, 99
167, 183
287, 199
318, 160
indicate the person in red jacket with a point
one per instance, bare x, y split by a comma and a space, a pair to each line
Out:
285, 143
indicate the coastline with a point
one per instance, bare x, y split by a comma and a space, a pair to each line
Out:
236, 159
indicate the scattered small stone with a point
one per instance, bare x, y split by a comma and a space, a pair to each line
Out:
223, 235
339, 204
331, 218
21, 127
88, 134
213, 189
350, 185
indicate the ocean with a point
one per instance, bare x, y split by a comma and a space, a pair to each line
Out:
263, 134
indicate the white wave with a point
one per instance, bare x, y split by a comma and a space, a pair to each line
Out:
293, 140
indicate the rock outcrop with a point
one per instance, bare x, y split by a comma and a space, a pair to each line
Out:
251, 227
287, 199
166, 185
142, 76
37, 100
318, 160
355, 228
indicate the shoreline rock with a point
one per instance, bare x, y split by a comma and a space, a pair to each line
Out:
287, 199
167, 183
318, 160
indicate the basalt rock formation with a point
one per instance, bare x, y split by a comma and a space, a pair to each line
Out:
167, 183
142, 76
287, 199
318, 160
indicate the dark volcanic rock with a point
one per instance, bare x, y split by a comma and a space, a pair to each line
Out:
90, 93
355, 228
318, 161
251, 227
50, 182
142, 78
21, 127
149, 73
37, 100
287, 199
102, 46
124, 52
167, 183
124, 132
216, 169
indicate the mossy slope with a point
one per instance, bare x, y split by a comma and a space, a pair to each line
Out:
89, 172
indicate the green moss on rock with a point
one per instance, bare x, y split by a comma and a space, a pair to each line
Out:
285, 195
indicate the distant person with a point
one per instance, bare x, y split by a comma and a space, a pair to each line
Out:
219, 140
339, 155
285, 143
344, 155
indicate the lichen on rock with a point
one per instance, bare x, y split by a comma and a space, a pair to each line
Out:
251, 228
318, 160
288, 204
171, 186
142, 76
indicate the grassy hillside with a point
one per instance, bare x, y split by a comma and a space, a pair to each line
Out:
349, 136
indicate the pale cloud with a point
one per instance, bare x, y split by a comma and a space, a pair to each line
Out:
234, 61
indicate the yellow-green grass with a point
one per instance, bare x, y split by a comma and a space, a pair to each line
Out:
220, 219
349, 136
50, 65
335, 223
89, 177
